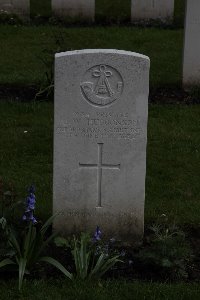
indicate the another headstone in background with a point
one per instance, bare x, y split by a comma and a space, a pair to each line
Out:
100, 135
152, 10
41, 9
112, 11
81, 9
21, 8
191, 61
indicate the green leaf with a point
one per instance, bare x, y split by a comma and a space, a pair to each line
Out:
14, 243
3, 222
83, 257
47, 224
41, 246
76, 258
6, 261
61, 242
58, 265
8, 193
22, 269
29, 240
103, 265
166, 263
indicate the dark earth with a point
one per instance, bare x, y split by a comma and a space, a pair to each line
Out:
156, 95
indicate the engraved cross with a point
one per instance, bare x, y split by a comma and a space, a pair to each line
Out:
100, 166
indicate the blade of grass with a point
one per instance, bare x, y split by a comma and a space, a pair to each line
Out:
22, 268
58, 265
6, 261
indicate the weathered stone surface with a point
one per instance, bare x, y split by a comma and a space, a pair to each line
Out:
83, 9
17, 7
191, 61
100, 134
152, 9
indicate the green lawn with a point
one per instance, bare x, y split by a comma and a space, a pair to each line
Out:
26, 158
173, 163
172, 185
110, 290
24, 47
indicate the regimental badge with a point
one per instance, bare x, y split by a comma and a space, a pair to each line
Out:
102, 85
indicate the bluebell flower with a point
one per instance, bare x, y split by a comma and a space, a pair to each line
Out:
30, 206
97, 235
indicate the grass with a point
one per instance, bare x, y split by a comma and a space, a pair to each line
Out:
172, 185
29, 45
172, 163
23, 48
26, 158
112, 290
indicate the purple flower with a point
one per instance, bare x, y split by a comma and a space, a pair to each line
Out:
30, 202
97, 235
30, 206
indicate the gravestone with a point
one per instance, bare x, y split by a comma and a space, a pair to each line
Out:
21, 8
100, 134
81, 9
152, 10
191, 61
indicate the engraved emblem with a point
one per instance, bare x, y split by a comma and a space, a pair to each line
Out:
102, 85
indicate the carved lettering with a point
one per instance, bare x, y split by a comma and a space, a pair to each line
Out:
106, 125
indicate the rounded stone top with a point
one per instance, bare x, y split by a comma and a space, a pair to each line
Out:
102, 51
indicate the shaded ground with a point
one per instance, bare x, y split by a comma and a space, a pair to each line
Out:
111, 290
159, 95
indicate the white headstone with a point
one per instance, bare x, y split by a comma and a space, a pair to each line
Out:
83, 9
152, 9
100, 135
191, 61
17, 7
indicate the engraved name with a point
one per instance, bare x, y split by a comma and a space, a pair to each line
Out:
116, 132
75, 213
100, 125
